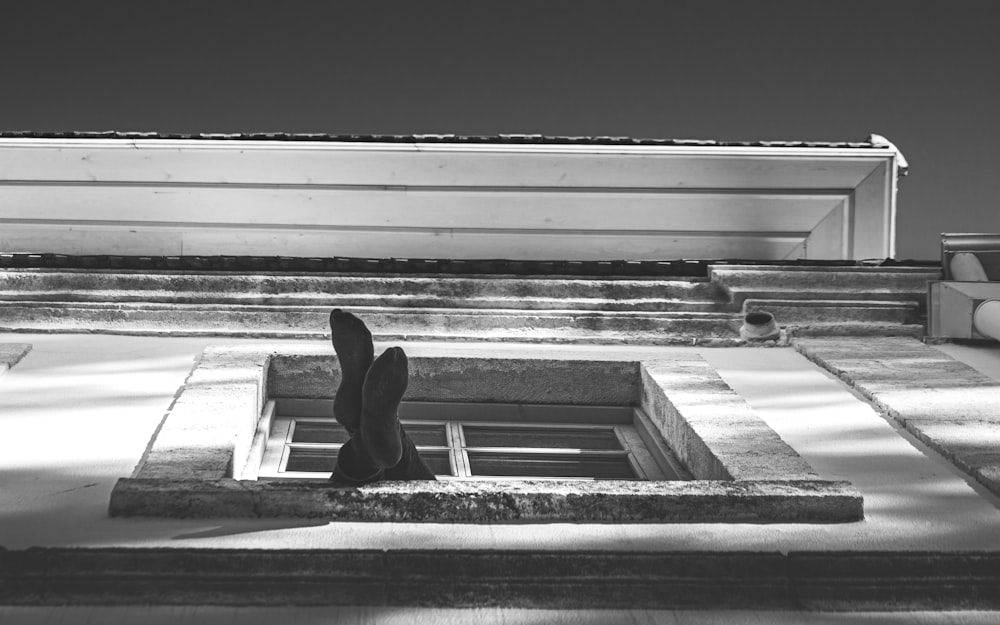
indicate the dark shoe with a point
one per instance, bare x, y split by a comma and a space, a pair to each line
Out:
353, 343
411, 466
383, 390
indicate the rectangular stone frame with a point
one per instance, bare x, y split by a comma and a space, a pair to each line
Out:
743, 471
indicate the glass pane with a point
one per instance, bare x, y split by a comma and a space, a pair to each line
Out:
427, 434
550, 465
554, 438
437, 461
319, 432
311, 459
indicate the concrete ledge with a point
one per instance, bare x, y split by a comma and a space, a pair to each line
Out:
534, 579
947, 404
820, 300
711, 428
11, 354
896, 581
449, 324
701, 501
535, 380
213, 419
743, 471
813, 312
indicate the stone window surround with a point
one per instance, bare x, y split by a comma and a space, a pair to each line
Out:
11, 354
743, 471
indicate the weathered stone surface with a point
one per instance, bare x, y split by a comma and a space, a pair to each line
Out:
897, 282
199, 497
211, 425
303, 376
920, 402
813, 311
505, 380
895, 581
989, 476
585, 579
193, 576
712, 429
544, 501
838, 347
447, 307
331, 290
972, 445
567, 325
11, 354
947, 404
798, 580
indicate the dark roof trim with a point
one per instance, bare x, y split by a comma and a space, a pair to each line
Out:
518, 139
432, 266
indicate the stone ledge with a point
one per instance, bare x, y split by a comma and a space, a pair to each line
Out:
818, 299
213, 419
947, 404
537, 579
11, 354
700, 501
750, 477
896, 581
711, 428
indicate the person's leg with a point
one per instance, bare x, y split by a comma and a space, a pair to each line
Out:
353, 343
383, 390
411, 466
386, 452
382, 433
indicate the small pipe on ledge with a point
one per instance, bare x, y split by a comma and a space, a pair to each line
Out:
759, 326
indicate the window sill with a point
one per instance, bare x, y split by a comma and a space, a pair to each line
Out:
742, 471
509, 501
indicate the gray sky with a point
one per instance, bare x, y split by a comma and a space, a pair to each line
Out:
922, 74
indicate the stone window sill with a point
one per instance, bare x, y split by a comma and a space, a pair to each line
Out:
743, 472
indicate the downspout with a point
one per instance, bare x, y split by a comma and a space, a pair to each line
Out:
900, 167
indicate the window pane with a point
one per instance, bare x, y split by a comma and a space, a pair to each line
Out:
437, 461
432, 435
311, 459
550, 465
319, 432
554, 438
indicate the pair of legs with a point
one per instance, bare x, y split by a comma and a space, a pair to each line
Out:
366, 404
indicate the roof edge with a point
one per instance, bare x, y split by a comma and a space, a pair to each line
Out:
873, 142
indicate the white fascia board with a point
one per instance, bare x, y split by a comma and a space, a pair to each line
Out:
220, 161
387, 180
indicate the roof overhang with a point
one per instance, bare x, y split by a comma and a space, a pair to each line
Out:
447, 199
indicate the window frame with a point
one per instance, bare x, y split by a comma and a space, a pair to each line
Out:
647, 457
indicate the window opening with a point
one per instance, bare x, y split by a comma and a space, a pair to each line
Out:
465, 441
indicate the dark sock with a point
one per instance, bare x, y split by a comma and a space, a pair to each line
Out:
411, 466
354, 468
353, 343
384, 386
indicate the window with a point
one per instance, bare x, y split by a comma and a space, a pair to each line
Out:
468, 441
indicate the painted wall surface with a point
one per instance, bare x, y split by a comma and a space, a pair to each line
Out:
921, 74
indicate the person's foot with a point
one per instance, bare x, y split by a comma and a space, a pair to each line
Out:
383, 390
353, 343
